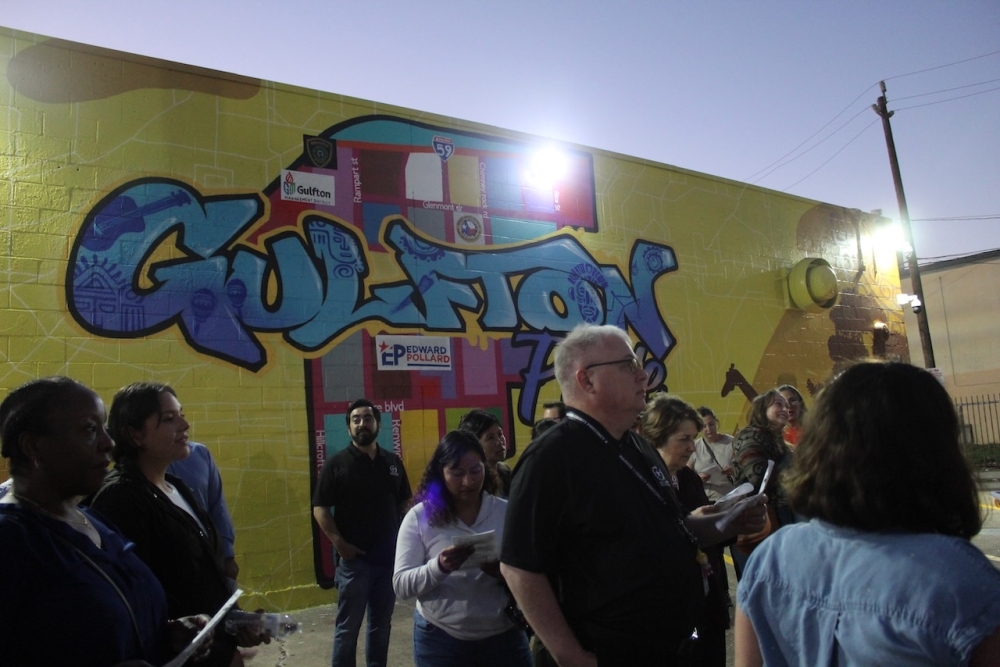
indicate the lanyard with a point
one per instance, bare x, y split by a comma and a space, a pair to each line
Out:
638, 475
700, 558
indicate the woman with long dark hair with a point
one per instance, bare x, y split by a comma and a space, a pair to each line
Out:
883, 573
761, 441
460, 617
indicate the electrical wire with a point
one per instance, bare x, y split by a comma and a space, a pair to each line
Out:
922, 261
946, 90
779, 166
959, 218
950, 99
781, 162
804, 142
831, 157
931, 69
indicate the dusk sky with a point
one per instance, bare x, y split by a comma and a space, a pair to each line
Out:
773, 93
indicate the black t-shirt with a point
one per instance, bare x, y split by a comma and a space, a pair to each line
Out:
622, 566
367, 496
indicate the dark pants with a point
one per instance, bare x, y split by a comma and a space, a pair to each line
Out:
363, 587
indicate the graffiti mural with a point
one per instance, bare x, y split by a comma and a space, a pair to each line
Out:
217, 291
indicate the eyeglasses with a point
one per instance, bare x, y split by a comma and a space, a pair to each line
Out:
633, 364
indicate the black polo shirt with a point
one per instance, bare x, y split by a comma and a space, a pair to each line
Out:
621, 565
367, 496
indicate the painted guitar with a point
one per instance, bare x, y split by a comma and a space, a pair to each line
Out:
122, 216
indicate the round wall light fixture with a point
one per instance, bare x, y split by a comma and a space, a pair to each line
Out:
812, 285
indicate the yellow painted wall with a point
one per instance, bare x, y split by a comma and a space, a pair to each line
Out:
77, 123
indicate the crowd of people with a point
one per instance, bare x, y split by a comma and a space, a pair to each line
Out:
602, 546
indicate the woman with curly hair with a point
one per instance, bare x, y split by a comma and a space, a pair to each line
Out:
460, 615
883, 573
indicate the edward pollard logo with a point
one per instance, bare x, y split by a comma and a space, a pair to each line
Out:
408, 353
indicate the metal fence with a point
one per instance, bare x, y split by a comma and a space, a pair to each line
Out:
979, 417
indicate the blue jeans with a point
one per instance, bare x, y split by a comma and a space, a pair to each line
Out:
433, 647
362, 587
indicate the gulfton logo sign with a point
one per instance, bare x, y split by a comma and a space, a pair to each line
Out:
301, 186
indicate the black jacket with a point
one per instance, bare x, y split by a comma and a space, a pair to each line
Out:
186, 559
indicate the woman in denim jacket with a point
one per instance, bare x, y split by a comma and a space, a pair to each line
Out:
884, 572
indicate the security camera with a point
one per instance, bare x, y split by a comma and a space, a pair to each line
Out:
917, 306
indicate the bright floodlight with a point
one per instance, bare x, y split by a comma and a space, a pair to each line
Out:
891, 237
547, 167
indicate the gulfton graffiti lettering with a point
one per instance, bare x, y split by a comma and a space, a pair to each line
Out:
157, 253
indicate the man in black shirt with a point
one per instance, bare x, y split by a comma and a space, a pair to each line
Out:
359, 502
597, 551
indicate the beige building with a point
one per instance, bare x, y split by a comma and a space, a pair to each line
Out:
962, 302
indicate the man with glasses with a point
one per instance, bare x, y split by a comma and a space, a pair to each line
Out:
597, 551
359, 502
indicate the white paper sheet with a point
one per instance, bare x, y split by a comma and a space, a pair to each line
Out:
729, 515
486, 547
204, 633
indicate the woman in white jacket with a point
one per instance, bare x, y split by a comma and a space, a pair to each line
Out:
460, 617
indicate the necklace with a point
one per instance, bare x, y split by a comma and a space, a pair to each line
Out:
83, 516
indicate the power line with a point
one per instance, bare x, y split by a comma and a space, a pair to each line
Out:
831, 157
931, 69
807, 139
941, 258
756, 177
950, 99
959, 218
821, 141
948, 90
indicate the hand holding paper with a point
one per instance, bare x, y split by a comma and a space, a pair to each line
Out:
740, 505
486, 548
206, 632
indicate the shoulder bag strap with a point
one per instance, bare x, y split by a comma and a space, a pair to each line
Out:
711, 453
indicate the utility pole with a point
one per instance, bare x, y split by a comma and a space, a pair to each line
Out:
904, 218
